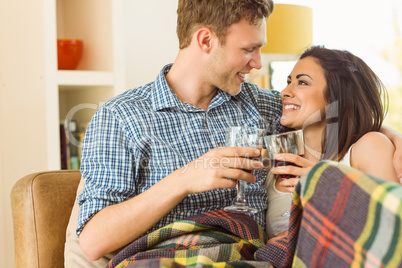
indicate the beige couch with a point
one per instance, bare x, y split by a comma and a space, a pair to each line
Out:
43, 202
41, 207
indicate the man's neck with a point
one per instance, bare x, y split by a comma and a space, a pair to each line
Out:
185, 78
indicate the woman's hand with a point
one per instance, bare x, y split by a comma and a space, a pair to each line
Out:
295, 172
278, 236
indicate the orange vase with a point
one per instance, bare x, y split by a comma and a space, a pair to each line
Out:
69, 53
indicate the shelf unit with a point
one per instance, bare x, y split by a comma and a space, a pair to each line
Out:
100, 75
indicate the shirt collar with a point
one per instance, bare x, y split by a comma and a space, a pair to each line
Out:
163, 97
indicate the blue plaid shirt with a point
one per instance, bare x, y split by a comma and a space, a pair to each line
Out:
139, 137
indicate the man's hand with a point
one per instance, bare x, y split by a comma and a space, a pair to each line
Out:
212, 170
396, 139
398, 162
105, 232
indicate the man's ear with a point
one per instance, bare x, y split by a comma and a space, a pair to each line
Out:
205, 38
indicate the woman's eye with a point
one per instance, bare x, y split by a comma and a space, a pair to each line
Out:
301, 82
288, 82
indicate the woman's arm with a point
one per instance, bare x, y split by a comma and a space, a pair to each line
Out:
373, 154
396, 139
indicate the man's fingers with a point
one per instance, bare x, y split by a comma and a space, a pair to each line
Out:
239, 158
238, 174
239, 152
244, 163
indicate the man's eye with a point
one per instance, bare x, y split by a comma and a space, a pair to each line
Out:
249, 50
288, 82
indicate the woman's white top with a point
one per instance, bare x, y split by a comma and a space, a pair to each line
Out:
278, 212
346, 159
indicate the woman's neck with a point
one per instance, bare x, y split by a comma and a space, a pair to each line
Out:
313, 136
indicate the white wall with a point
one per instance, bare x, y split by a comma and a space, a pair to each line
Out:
151, 39
151, 42
21, 90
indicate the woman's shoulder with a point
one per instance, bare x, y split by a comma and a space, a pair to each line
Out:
373, 154
373, 140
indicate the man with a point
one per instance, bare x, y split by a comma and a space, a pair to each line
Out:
151, 156
155, 147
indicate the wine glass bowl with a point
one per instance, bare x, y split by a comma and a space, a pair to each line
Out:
287, 142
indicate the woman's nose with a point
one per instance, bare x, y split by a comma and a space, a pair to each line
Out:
286, 92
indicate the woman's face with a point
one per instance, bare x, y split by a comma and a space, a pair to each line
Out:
303, 98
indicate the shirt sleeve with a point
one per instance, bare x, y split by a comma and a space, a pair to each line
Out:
106, 165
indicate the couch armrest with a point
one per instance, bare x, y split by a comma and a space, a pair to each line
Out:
41, 206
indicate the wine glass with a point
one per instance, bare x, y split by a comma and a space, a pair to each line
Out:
243, 137
287, 142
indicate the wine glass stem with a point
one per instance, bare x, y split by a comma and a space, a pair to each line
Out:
240, 192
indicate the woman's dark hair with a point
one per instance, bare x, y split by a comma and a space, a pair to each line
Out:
354, 96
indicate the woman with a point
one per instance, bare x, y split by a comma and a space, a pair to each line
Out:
334, 95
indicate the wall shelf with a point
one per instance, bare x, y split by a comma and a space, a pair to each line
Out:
99, 75
85, 78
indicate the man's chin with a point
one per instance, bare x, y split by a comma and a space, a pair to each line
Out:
234, 91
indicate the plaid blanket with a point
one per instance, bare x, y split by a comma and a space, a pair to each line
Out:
341, 217
213, 239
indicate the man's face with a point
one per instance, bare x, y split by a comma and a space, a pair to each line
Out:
229, 64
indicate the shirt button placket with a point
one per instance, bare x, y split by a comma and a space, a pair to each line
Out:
206, 120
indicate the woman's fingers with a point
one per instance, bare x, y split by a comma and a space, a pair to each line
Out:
289, 184
295, 165
294, 158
